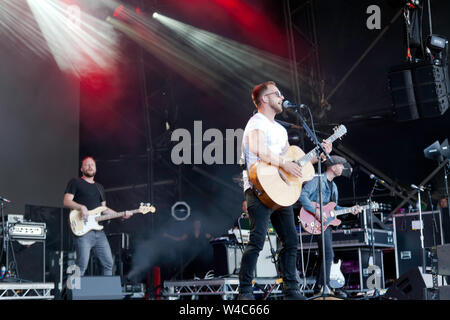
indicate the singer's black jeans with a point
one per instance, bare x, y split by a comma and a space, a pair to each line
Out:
283, 222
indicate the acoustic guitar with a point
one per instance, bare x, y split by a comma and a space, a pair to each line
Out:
275, 187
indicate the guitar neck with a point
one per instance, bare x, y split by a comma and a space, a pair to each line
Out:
348, 210
114, 215
310, 155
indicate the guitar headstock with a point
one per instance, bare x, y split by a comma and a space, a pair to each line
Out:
340, 131
146, 208
375, 206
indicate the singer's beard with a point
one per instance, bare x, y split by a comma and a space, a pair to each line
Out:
277, 108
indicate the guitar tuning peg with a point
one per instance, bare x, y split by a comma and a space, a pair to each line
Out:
148, 204
142, 204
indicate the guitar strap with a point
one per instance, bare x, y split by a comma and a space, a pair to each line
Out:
101, 193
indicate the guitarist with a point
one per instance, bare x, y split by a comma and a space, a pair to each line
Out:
265, 139
310, 193
85, 194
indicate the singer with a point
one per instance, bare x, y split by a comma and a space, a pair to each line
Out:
265, 139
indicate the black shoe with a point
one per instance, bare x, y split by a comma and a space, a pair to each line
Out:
293, 295
245, 296
340, 293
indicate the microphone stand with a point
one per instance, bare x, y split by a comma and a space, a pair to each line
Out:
319, 149
6, 245
372, 237
419, 189
434, 275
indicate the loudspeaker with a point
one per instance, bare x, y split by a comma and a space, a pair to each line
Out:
410, 286
419, 90
30, 260
98, 288
431, 89
402, 92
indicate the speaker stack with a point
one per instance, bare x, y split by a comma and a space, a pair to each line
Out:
419, 90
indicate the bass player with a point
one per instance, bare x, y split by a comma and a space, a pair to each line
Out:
85, 194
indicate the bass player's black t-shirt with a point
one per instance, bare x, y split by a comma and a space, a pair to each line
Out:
89, 194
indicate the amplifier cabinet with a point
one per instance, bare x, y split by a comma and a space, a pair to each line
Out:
228, 256
408, 252
30, 259
356, 237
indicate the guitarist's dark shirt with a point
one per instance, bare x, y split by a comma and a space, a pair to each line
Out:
310, 193
89, 194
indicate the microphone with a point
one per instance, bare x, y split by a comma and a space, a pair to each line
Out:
374, 177
4, 200
289, 105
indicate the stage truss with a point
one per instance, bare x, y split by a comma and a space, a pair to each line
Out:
227, 287
26, 291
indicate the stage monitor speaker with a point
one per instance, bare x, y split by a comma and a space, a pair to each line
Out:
30, 260
410, 286
402, 91
98, 288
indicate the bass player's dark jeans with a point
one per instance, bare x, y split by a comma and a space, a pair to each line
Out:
283, 222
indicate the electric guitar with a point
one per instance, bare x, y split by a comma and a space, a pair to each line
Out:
80, 226
311, 224
337, 279
275, 187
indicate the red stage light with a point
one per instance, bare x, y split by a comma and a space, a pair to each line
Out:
118, 11
138, 10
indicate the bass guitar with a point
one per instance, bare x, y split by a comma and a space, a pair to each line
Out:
311, 224
275, 187
81, 226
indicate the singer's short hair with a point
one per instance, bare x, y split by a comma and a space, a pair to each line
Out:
259, 90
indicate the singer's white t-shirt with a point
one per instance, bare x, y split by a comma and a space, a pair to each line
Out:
276, 138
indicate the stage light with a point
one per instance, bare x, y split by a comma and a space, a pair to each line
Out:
433, 152
445, 149
436, 43
155, 15
79, 42
118, 11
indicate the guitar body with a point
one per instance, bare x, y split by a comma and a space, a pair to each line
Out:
337, 279
276, 187
79, 226
312, 225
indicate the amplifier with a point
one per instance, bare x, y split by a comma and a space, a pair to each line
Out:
356, 237
27, 230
